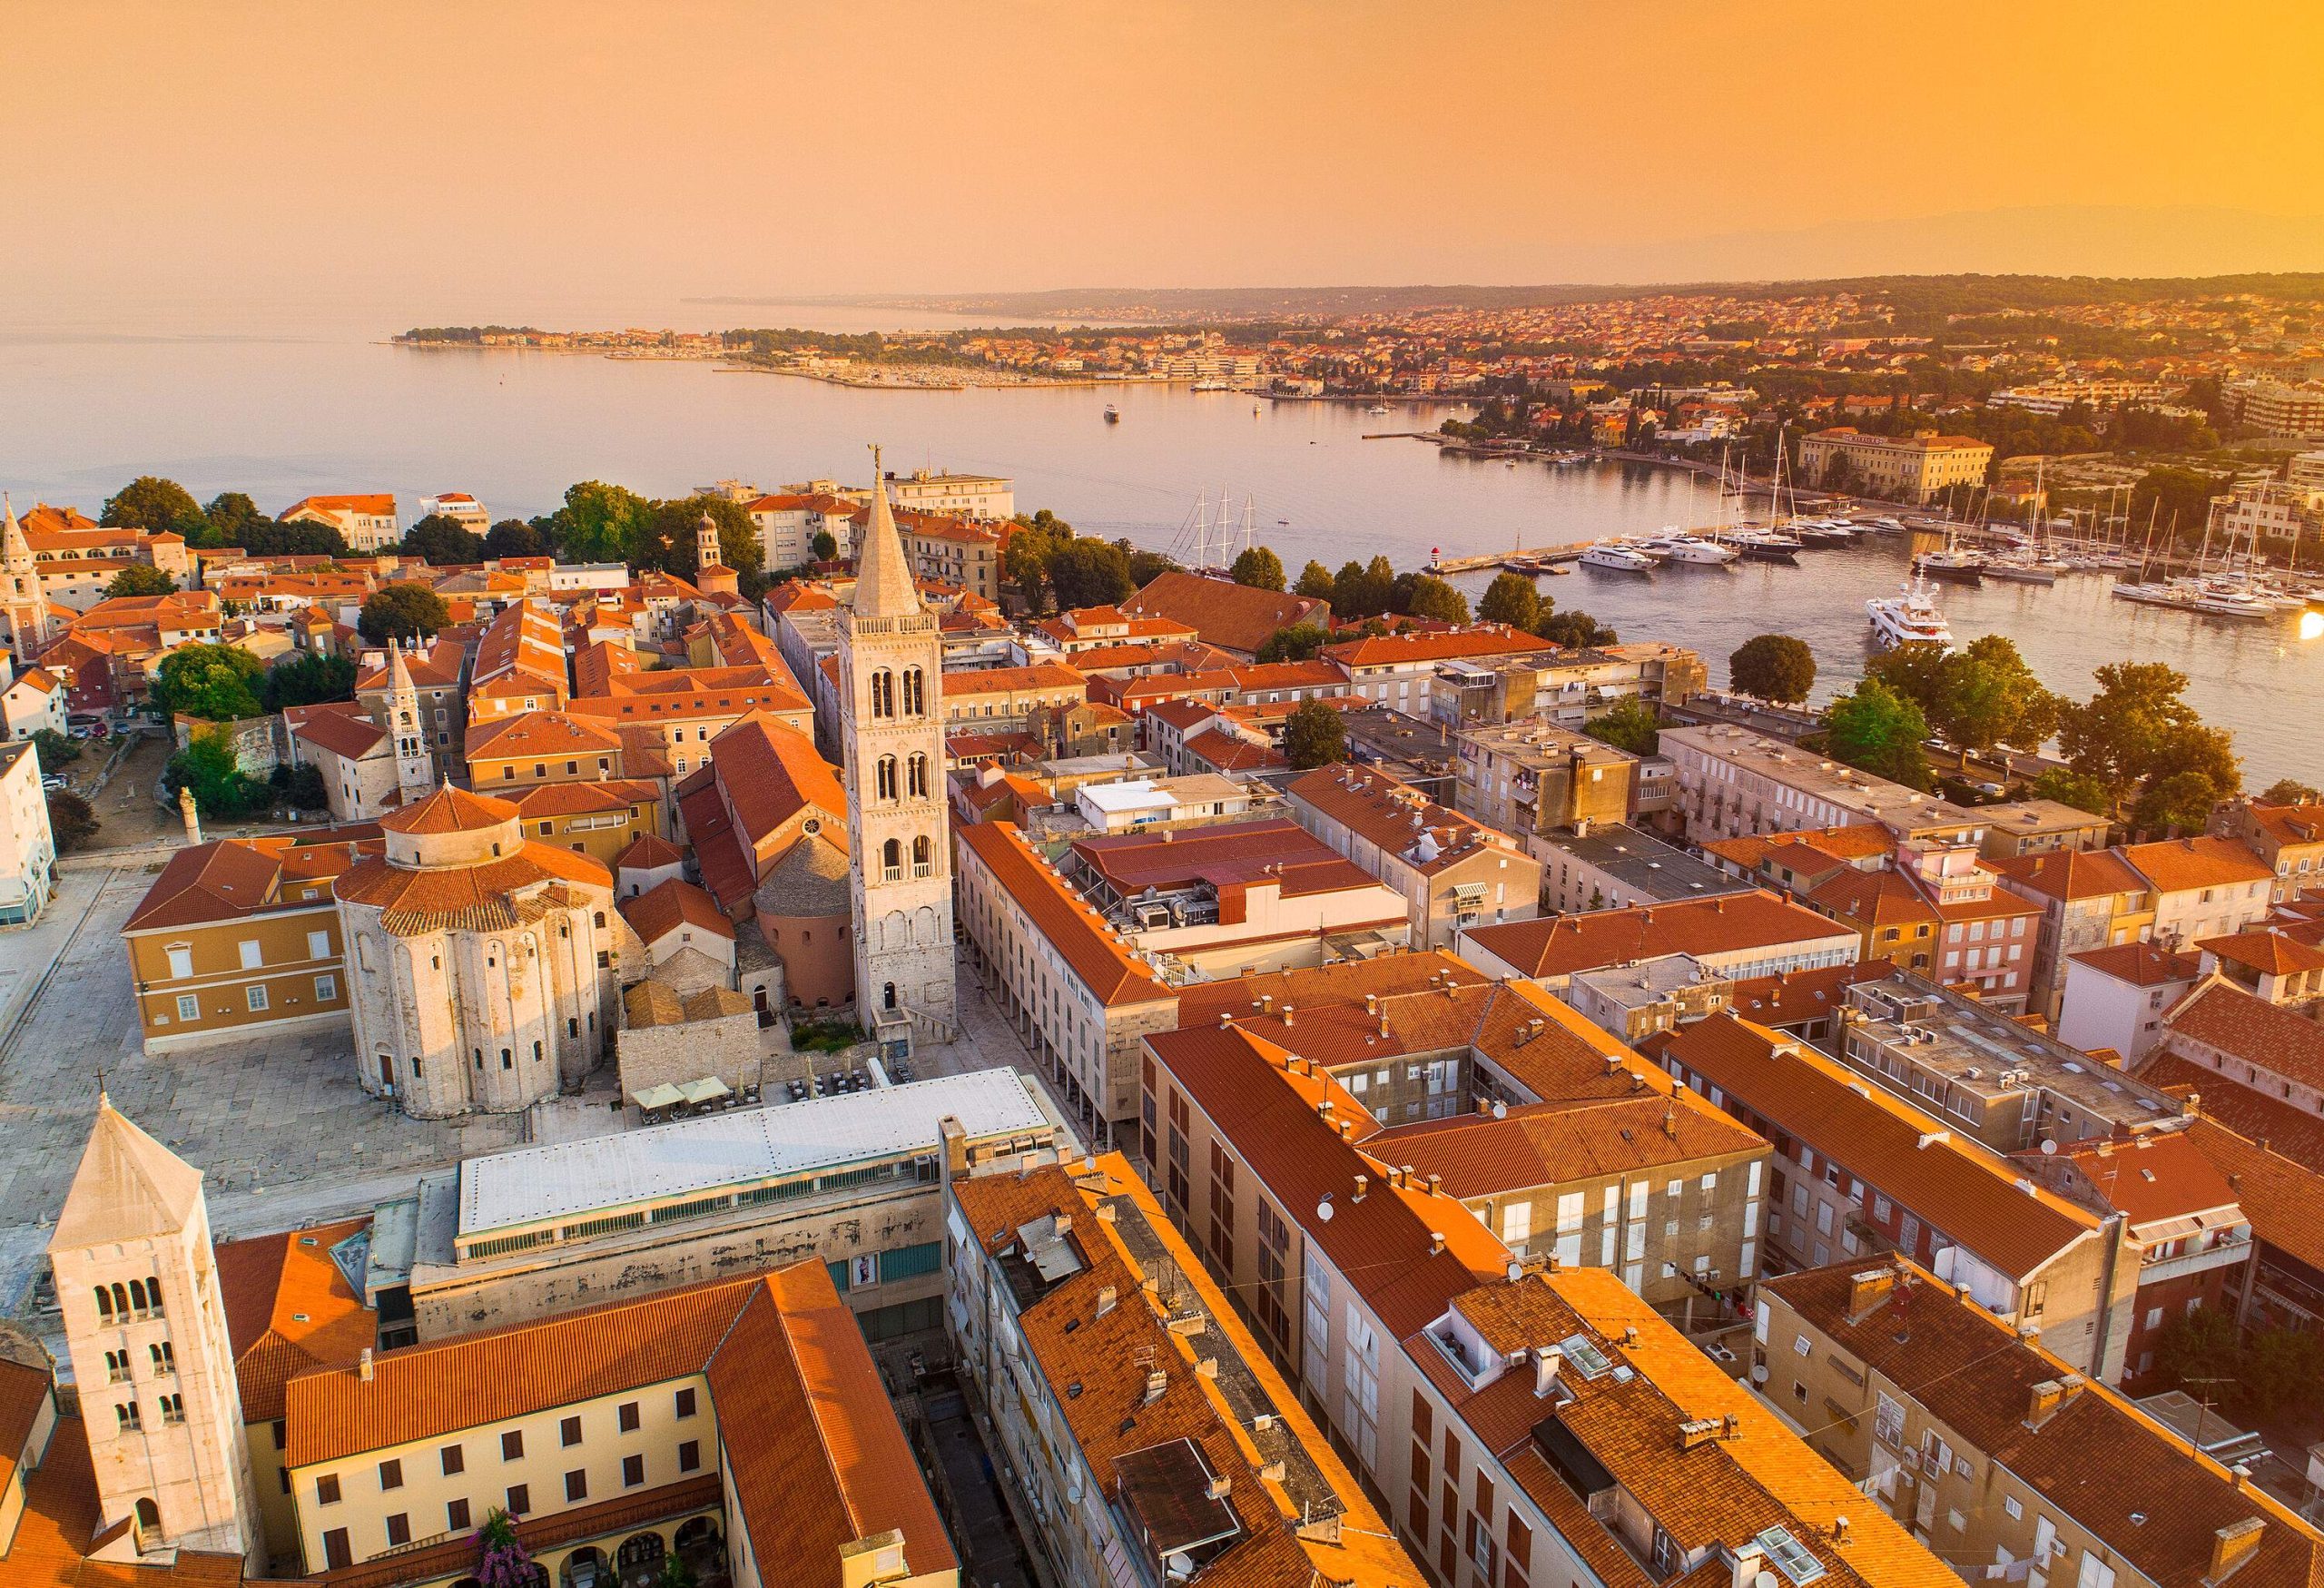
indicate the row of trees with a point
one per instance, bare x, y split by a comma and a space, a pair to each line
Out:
2134, 751
225, 684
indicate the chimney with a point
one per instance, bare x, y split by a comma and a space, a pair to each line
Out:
363, 1366
2042, 1401
1547, 1361
1435, 1242
1361, 1182
1433, 1181
1840, 1526
1219, 1485
1867, 1290
2233, 1545
1696, 1431
1155, 1383
1107, 1297
1287, 1017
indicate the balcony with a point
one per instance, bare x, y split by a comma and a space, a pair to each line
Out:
2226, 1255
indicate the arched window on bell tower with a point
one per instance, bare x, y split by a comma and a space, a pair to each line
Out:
923, 856
916, 782
915, 694
884, 694
891, 861
884, 778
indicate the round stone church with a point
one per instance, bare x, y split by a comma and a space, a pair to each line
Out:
483, 970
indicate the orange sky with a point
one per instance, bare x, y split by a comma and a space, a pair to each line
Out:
472, 151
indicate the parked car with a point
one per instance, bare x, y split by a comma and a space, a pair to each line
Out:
53, 780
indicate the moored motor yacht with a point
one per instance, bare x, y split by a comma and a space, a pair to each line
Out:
1908, 617
1615, 557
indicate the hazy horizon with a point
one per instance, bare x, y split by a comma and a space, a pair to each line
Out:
450, 159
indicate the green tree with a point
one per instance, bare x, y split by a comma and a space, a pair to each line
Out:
1513, 599
309, 679
599, 522
2200, 1345
207, 766
217, 684
2136, 726
402, 611
676, 1572
1090, 573
1774, 667
2281, 1368
1431, 596
1876, 730
300, 784
1146, 566
71, 820
1979, 697
154, 505
1299, 642
298, 538
2069, 788
442, 541
1363, 589
2177, 802
53, 750
229, 520
140, 579
1629, 725
1575, 630
1314, 582
515, 537
1258, 568
2288, 790
824, 545
1313, 735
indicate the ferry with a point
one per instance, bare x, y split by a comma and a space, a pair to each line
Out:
1908, 617
1617, 559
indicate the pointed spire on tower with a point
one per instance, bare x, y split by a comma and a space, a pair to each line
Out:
15, 549
884, 587
398, 675
129, 1187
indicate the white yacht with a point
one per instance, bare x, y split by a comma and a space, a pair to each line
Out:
1908, 617
1615, 557
1677, 545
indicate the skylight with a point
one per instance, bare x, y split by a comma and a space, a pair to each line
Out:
1583, 1353
1790, 1556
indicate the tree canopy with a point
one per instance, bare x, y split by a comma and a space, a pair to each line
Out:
221, 787
442, 541
217, 684
2137, 732
1314, 582
516, 537
1575, 630
599, 522
72, 822
154, 505
1773, 667
402, 611
1298, 642
1429, 596
1313, 735
231, 518
1363, 589
140, 579
2289, 791
1258, 568
1513, 599
1629, 725
309, 679
1090, 573
1873, 729
1979, 697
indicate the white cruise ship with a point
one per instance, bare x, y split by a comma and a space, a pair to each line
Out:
1908, 617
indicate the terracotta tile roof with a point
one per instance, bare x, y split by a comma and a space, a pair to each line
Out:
966, 682
480, 896
1731, 924
340, 726
2282, 1195
1077, 931
1227, 751
221, 880
1872, 899
290, 1308
1393, 815
581, 795
2183, 863
1544, 1144
2154, 1178
1233, 617
649, 707
1264, 676
1275, 849
450, 810
2222, 1016
2123, 1477
1381, 1244
2266, 950
1950, 1182
1343, 985
768, 772
539, 734
670, 904
1800, 996
24, 1389
59, 1522
2257, 1116
2069, 873
2290, 824
798, 596
1393, 649
2141, 964
649, 852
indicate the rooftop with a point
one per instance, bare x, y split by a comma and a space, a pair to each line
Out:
1559, 945
1646, 865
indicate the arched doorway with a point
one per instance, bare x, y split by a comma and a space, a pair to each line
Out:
701, 1547
585, 1568
640, 1556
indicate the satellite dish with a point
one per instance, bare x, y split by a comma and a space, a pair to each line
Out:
1765, 1580
2049, 1148
1758, 1373
1516, 1271
1323, 1210
1179, 1567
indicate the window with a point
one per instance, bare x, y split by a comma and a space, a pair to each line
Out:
189, 1006
576, 1485
633, 1471
456, 1516
398, 1529
454, 1460
326, 989
512, 1448
891, 861
917, 782
256, 997
126, 1419
521, 1499
116, 1367
690, 1455
625, 1416
391, 1474
327, 1489
569, 1432
884, 782
922, 857
252, 957
685, 1403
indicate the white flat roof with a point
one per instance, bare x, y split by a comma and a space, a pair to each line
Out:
1133, 795
531, 1184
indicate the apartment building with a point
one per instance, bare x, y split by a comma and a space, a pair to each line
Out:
1533, 777
2246, 1043
1451, 872
1069, 983
2288, 839
2203, 887
2275, 409
1110, 633
1613, 865
2000, 1453
2282, 1195
1531, 1424
955, 551
1564, 688
1144, 804
1859, 1170
600, 820
240, 937
1993, 1078
1909, 468
1734, 936
27, 843
519, 664
366, 522
689, 707
2113, 998
2089, 900
973, 496
1400, 670
1132, 1408
789, 521
1733, 782
995, 699
2279, 962
529, 748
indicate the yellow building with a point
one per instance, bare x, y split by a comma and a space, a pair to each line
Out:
239, 935
596, 819
1911, 469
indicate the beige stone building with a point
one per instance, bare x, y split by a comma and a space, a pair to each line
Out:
1908, 468
483, 967
1533, 777
1452, 872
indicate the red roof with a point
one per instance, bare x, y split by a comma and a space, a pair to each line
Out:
673, 903
1731, 924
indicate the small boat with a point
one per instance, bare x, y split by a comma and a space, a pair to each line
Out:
1113, 414
1908, 617
1616, 558
1951, 565
1377, 407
